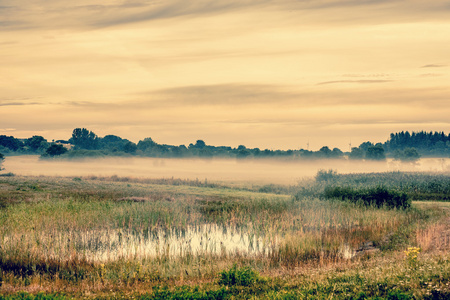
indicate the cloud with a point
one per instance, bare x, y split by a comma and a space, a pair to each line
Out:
223, 94
377, 75
88, 14
250, 97
18, 102
82, 14
353, 81
177, 8
433, 66
431, 75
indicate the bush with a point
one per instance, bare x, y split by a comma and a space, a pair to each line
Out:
55, 150
244, 276
378, 196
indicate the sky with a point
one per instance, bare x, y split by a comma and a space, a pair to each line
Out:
278, 74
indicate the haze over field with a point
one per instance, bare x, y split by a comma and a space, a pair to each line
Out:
259, 171
267, 74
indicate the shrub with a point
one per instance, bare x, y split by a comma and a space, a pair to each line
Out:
54, 150
377, 196
244, 276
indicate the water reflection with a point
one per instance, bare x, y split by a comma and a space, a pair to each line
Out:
112, 244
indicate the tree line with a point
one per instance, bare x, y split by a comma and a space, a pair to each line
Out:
85, 143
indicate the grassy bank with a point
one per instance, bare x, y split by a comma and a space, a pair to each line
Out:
99, 237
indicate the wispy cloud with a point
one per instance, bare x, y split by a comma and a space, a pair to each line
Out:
251, 96
223, 94
433, 66
82, 14
354, 81
19, 101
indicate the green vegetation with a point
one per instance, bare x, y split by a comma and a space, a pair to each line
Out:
403, 146
378, 196
121, 238
416, 186
425, 143
55, 150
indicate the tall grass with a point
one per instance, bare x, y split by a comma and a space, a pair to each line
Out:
102, 234
417, 186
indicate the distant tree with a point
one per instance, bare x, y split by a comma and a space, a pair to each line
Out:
408, 154
10, 142
179, 151
55, 150
2, 158
375, 153
84, 139
267, 152
427, 143
337, 152
364, 146
200, 144
243, 152
129, 147
146, 144
36, 143
324, 151
357, 153
114, 143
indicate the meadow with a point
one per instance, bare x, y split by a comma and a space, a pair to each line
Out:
121, 237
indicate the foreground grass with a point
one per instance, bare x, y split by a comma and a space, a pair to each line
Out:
378, 278
53, 228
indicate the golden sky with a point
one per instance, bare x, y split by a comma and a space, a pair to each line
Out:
268, 74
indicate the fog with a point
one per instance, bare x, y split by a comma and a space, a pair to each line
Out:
277, 171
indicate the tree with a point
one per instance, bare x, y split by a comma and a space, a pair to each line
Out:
243, 152
375, 153
408, 154
357, 153
84, 139
146, 144
55, 150
129, 147
324, 152
337, 152
36, 143
364, 146
10, 142
2, 157
200, 144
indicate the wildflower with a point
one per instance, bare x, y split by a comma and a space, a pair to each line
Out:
412, 254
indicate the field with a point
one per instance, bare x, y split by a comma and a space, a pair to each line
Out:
120, 237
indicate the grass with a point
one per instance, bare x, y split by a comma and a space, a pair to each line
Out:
417, 186
161, 239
